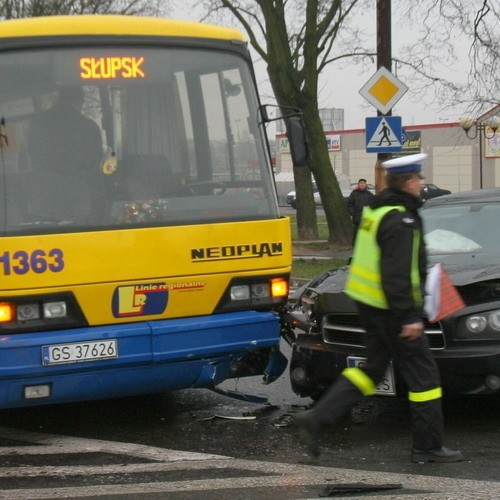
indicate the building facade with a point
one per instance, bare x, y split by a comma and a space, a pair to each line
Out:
455, 161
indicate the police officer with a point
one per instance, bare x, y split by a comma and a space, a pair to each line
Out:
387, 281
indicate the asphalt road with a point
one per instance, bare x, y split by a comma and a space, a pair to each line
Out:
201, 421
176, 444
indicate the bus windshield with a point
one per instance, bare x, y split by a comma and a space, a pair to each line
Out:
105, 138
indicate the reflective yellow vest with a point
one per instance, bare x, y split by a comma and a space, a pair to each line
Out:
364, 281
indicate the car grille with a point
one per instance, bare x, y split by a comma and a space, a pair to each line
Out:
345, 330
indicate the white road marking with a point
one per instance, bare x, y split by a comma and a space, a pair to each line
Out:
269, 474
63, 444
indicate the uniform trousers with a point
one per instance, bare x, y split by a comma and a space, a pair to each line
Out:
413, 362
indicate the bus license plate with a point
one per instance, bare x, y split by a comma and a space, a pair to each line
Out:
387, 386
59, 354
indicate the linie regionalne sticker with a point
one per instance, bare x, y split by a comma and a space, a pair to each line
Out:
140, 300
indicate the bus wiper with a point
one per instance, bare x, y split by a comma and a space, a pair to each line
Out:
48, 223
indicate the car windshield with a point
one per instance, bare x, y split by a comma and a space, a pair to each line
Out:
457, 234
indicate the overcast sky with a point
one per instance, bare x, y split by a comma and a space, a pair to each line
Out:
339, 88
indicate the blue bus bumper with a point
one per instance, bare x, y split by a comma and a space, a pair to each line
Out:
154, 356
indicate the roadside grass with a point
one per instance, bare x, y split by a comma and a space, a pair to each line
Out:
308, 268
322, 227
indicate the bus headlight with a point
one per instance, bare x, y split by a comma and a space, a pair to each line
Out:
33, 313
54, 309
27, 312
260, 290
254, 293
240, 292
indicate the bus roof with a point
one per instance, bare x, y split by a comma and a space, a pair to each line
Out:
113, 25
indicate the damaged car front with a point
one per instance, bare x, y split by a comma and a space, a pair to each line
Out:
462, 232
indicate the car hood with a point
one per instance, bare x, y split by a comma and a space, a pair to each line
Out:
460, 274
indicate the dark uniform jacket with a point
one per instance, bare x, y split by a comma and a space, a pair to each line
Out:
395, 238
357, 200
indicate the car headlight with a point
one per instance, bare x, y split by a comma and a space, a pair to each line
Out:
480, 326
476, 324
494, 320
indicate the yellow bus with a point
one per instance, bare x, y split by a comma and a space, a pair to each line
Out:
142, 249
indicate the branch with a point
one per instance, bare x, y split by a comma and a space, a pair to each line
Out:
349, 55
241, 14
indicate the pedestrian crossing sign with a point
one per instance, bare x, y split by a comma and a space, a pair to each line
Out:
384, 134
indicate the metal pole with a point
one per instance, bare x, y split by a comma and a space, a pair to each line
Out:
384, 58
480, 126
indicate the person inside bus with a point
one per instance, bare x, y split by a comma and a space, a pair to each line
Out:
66, 151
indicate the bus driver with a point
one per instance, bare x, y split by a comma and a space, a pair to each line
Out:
66, 152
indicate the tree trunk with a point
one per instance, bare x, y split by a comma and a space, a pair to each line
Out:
307, 221
337, 215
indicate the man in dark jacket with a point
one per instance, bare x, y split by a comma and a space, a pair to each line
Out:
66, 152
387, 281
358, 199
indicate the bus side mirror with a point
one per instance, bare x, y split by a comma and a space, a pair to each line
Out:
297, 139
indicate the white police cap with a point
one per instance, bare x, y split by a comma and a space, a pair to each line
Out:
410, 163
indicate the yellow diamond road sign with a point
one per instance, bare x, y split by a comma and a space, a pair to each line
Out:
383, 90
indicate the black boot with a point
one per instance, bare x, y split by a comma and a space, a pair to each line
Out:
309, 432
441, 455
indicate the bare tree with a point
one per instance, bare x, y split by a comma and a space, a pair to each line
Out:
13, 9
296, 39
450, 28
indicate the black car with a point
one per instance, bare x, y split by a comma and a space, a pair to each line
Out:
462, 231
292, 200
429, 191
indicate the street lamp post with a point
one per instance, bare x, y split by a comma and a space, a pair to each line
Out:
480, 128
